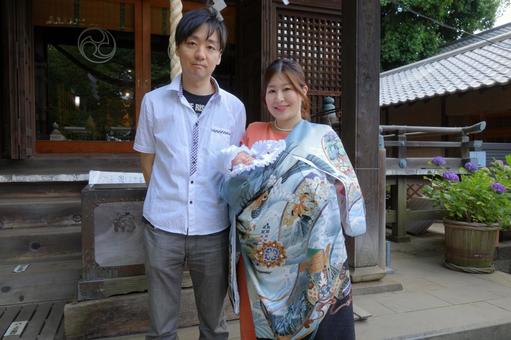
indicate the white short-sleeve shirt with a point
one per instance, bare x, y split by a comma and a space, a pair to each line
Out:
177, 201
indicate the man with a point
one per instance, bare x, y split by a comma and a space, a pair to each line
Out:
181, 128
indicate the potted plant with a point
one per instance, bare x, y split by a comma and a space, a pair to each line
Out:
477, 204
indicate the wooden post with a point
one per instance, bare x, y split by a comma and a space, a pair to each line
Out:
360, 126
465, 149
18, 108
399, 194
399, 197
402, 150
382, 193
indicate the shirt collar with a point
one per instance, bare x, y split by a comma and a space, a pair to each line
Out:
177, 86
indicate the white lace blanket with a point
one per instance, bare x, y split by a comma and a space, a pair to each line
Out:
264, 152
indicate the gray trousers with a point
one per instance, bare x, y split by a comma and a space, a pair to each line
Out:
206, 258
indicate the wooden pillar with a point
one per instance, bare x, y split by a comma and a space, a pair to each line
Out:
3, 48
18, 109
255, 50
359, 127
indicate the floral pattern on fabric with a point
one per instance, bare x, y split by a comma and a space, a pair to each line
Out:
270, 254
336, 154
288, 220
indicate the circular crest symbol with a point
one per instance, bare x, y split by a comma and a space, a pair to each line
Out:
97, 45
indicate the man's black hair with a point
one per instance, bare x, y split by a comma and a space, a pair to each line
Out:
192, 20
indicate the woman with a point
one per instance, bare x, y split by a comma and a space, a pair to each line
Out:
294, 278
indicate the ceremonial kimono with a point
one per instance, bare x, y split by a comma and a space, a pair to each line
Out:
286, 223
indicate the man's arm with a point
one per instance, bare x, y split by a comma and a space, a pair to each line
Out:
146, 163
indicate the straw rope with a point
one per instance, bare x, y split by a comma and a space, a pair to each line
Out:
175, 14
475, 270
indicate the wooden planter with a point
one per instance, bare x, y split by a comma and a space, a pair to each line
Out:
470, 247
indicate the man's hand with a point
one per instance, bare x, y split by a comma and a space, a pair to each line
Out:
242, 158
146, 163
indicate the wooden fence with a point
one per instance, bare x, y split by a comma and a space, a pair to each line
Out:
404, 172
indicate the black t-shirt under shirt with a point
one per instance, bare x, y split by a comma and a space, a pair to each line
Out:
198, 103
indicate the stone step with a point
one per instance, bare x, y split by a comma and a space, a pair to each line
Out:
25, 244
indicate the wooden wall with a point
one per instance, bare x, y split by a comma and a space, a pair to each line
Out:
18, 109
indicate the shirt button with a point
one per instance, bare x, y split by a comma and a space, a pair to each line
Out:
190, 202
191, 182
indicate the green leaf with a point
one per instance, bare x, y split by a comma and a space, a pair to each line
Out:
406, 38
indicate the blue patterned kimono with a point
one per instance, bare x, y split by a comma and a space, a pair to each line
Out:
288, 217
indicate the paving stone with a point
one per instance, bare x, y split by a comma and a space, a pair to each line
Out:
456, 296
416, 284
419, 324
410, 301
504, 303
450, 278
368, 303
500, 278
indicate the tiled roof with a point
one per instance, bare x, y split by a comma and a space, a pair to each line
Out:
485, 35
468, 64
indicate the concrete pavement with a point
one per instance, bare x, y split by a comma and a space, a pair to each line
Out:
436, 303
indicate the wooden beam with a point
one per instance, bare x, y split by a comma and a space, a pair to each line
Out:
46, 146
103, 288
17, 244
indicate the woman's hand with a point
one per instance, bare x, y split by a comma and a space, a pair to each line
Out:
242, 158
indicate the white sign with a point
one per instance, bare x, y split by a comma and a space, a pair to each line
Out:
111, 177
16, 328
20, 268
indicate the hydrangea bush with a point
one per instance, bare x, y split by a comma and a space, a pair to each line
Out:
481, 195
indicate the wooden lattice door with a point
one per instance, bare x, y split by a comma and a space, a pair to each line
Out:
306, 30
314, 40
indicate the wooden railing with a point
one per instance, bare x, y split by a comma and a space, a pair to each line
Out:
401, 170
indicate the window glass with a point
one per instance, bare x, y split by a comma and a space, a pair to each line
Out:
85, 70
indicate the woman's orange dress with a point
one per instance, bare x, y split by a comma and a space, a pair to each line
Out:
255, 132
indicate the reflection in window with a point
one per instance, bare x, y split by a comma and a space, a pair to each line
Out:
85, 91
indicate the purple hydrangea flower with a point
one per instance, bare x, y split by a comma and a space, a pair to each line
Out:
470, 166
498, 188
439, 161
451, 176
